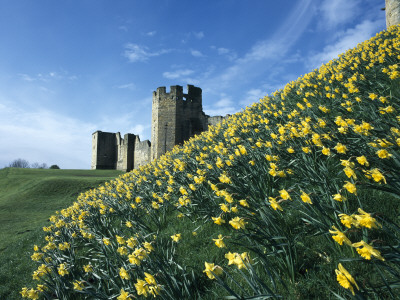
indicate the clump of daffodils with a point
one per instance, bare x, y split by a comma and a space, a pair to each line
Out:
308, 170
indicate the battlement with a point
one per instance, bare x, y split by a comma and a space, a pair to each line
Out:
194, 94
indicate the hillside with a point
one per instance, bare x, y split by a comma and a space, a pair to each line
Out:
295, 197
28, 197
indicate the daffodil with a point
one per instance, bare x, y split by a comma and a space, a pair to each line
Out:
237, 223
284, 195
62, 270
340, 148
362, 160
305, 198
124, 273
345, 279
176, 237
367, 251
348, 221
339, 236
274, 204
350, 187
219, 241
211, 270
123, 295
218, 220
142, 287
244, 203
78, 285
383, 153
365, 219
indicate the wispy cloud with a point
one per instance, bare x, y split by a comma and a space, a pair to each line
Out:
178, 73
222, 107
337, 12
151, 33
129, 86
198, 35
265, 54
196, 53
228, 53
46, 77
344, 41
141, 130
253, 95
38, 134
135, 52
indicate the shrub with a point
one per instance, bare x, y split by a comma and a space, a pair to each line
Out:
19, 163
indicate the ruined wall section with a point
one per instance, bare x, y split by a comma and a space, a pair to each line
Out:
192, 118
110, 151
126, 149
164, 120
212, 121
142, 153
104, 150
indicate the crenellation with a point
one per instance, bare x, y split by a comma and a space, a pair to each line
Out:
176, 117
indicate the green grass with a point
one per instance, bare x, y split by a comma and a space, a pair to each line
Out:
28, 197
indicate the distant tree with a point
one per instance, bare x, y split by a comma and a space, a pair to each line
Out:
54, 167
19, 163
39, 166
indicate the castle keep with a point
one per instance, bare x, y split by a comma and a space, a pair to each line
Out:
175, 118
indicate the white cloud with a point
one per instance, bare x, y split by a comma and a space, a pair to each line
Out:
140, 130
253, 95
43, 136
224, 102
178, 73
222, 50
222, 107
198, 35
230, 54
344, 41
129, 86
266, 54
136, 52
46, 77
196, 53
336, 12
151, 33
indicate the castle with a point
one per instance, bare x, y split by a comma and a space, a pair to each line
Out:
175, 118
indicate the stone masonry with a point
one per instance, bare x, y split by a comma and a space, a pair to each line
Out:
392, 12
176, 117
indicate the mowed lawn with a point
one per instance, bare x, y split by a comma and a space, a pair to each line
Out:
28, 197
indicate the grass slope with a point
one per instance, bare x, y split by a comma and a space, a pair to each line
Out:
296, 197
28, 197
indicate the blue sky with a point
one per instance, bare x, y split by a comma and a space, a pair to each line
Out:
69, 68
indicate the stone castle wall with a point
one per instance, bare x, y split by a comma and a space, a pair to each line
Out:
176, 117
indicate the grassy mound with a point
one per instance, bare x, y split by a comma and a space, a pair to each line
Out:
28, 197
295, 197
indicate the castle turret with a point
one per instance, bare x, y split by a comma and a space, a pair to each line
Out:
164, 118
175, 117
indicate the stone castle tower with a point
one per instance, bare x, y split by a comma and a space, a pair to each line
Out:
392, 12
176, 117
